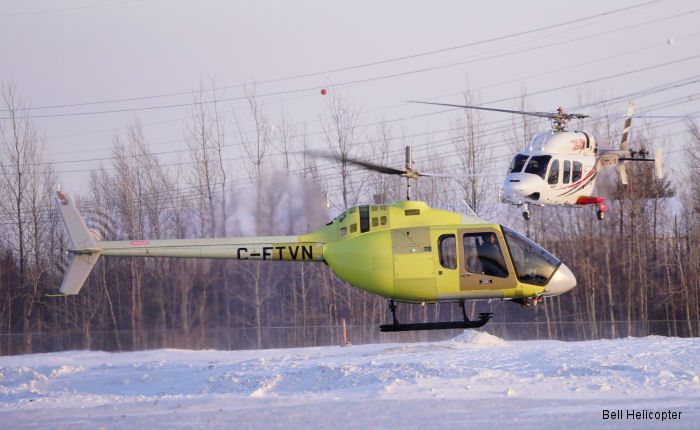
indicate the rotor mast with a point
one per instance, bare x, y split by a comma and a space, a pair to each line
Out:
407, 172
409, 168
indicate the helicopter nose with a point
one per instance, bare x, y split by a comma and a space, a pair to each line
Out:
562, 281
517, 186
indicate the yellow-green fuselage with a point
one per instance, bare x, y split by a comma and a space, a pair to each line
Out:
396, 251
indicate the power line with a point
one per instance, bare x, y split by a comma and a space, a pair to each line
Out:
665, 87
68, 9
358, 81
618, 55
364, 65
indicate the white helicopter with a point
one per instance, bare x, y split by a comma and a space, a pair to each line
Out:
559, 167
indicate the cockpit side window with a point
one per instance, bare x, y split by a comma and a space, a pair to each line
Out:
553, 177
538, 165
517, 164
447, 251
482, 254
532, 263
567, 171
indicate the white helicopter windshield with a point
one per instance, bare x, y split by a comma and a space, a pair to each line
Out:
532, 263
538, 165
517, 164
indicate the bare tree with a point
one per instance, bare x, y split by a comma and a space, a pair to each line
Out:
341, 133
256, 149
24, 179
384, 188
473, 151
20, 150
206, 138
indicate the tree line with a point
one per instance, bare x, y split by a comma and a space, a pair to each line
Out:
637, 271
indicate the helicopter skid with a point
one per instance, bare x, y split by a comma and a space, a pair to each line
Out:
465, 323
444, 325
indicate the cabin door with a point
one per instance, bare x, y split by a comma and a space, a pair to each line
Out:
482, 263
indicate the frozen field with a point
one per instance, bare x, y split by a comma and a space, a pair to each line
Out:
475, 380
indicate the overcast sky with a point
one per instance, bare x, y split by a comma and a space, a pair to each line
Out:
87, 55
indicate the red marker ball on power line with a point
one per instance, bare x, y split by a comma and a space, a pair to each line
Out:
323, 91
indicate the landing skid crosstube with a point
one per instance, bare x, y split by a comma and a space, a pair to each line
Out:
444, 325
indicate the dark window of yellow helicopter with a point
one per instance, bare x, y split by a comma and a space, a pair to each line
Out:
409, 212
577, 172
553, 177
567, 171
447, 251
482, 254
343, 231
353, 227
364, 218
383, 220
375, 222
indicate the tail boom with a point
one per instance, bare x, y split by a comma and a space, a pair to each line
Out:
85, 251
273, 248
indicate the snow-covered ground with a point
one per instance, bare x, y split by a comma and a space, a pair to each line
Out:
475, 380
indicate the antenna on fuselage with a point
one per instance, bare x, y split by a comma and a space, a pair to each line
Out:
409, 168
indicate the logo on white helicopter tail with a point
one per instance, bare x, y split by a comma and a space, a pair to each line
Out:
578, 144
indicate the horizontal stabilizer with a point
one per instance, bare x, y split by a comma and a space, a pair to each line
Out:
587, 200
78, 271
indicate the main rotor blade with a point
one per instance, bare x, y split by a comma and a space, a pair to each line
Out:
361, 163
538, 114
643, 116
389, 170
557, 114
375, 167
446, 175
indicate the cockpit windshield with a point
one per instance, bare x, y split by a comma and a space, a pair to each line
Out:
532, 263
538, 165
517, 164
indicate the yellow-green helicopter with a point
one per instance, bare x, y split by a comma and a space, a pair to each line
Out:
407, 252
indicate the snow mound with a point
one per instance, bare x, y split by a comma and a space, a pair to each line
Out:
422, 384
478, 338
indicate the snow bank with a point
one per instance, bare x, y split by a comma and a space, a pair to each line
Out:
471, 380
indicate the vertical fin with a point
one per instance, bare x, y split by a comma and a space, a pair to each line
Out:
657, 164
85, 251
623, 141
628, 123
78, 232
623, 173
